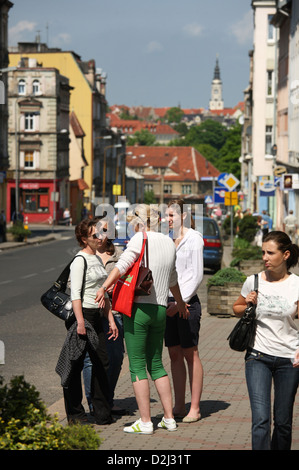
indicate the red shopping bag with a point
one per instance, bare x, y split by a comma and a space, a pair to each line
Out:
124, 290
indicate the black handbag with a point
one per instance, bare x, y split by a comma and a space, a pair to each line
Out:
56, 300
243, 334
145, 278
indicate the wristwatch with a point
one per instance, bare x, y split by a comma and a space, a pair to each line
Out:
105, 288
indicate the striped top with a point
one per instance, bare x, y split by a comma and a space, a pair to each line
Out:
162, 256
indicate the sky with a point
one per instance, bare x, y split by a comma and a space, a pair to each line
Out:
158, 53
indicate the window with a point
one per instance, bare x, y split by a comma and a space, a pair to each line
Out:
270, 82
167, 189
29, 121
269, 136
186, 188
148, 187
36, 87
271, 32
22, 87
29, 160
36, 200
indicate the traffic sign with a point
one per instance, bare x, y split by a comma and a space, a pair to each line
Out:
221, 178
231, 182
231, 198
208, 199
219, 194
116, 189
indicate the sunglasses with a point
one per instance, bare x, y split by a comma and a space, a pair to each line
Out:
100, 232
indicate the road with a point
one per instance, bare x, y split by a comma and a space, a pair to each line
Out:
31, 335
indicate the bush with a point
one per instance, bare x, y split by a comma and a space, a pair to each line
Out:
26, 425
18, 231
225, 276
244, 250
247, 228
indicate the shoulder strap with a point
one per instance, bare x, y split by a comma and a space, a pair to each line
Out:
63, 278
256, 282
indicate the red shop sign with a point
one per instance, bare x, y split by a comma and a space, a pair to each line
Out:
29, 185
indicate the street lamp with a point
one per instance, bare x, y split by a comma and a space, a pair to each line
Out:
162, 170
248, 160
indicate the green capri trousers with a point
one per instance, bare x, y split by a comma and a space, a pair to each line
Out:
144, 334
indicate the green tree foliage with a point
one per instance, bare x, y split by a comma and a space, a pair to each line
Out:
143, 137
174, 115
208, 132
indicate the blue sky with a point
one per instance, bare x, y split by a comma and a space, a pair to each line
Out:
155, 52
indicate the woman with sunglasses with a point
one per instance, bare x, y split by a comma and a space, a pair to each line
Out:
86, 309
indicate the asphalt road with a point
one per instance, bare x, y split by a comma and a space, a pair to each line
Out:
32, 336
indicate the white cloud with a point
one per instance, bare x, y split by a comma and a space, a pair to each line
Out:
16, 33
193, 29
62, 39
243, 29
154, 46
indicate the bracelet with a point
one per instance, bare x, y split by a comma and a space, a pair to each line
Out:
105, 288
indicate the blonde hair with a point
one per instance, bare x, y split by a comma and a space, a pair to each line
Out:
146, 217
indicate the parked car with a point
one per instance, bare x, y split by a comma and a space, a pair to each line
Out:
213, 247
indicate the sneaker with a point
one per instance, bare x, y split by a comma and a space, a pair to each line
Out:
170, 424
140, 428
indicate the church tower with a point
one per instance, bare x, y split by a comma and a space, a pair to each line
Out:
216, 101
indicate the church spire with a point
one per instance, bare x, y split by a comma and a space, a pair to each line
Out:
217, 70
216, 101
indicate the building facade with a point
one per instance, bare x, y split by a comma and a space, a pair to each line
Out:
38, 138
88, 101
5, 6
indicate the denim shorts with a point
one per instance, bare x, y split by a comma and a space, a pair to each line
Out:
182, 332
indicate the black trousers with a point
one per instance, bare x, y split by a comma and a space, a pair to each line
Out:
99, 380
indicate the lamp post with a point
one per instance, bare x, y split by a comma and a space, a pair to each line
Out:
162, 170
248, 160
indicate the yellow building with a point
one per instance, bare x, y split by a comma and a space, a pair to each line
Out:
87, 99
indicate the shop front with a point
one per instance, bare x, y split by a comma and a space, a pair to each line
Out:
35, 201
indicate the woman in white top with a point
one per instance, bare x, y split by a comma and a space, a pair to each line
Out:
181, 336
275, 352
144, 330
86, 309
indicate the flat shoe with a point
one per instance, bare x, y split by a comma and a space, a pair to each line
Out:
190, 419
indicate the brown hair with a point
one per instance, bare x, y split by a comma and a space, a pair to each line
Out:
83, 229
284, 243
178, 206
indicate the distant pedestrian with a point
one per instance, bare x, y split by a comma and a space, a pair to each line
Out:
2, 227
274, 355
266, 222
290, 225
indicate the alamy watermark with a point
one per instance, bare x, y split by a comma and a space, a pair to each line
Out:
126, 219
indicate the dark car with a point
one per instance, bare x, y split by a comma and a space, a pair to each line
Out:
213, 248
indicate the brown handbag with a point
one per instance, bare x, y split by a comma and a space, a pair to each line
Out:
145, 278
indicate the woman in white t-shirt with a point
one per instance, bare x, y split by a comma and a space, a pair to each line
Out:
275, 352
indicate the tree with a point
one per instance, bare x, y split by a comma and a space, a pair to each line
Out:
174, 115
143, 137
208, 132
